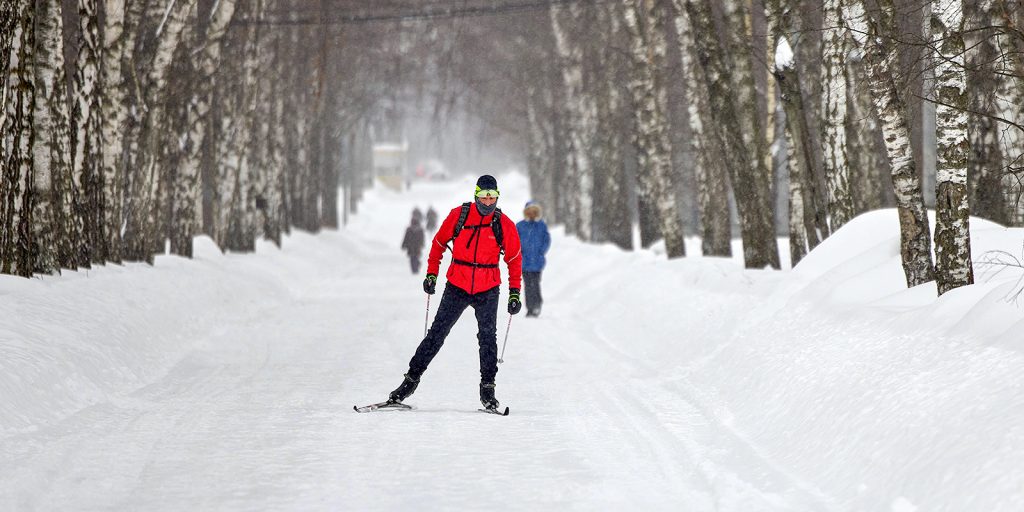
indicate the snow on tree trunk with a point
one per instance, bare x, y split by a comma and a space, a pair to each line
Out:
186, 189
953, 267
646, 22
711, 177
840, 203
56, 221
87, 134
877, 36
582, 114
18, 141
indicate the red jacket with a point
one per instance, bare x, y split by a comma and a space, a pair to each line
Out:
476, 245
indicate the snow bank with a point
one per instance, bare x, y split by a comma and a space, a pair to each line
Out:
93, 336
877, 394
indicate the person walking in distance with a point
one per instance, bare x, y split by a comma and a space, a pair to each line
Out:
533, 233
479, 233
413, 243
431, 218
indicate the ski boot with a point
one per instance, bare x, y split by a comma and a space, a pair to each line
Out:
487, 396
406, 388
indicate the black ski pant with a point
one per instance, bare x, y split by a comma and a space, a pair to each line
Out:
533, 297
453, 302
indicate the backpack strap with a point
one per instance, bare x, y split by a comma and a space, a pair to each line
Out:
496, 228
458, 225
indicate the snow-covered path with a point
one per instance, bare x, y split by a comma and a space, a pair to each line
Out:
226, 383
258, 415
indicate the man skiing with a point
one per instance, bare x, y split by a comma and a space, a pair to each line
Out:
473, 280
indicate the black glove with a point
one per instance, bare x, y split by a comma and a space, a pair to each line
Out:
514, 305
430, 283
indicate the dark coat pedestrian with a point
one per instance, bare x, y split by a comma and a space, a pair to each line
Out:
431, 218
412, 243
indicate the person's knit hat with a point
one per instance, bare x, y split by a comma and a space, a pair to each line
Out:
487, 182
487, 186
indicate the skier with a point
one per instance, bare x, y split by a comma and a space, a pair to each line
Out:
413, 243
473, 280
536, 241
431, 218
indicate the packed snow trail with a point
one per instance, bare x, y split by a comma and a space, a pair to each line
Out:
227, 383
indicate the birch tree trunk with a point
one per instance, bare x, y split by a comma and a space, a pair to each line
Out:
56, 224
612, 218
18, 140
87, 135
646, 22
140, 235
1010, 104
711, 177
750, 179
840, 203
877, 36
807, 220
985, 165
953, 266
802, 233
117, 45
185, 195
868, 169
582, 117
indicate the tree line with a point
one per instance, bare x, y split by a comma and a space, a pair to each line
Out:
781, 116
133, 125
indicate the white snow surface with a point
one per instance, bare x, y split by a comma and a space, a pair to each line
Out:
227, 382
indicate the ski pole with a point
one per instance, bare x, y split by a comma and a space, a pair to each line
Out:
501, 359
426, 318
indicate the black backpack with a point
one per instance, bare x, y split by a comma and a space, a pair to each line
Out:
495, 226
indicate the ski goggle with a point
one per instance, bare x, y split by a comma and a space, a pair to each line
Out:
487, 192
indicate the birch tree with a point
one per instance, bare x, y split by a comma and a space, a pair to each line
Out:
985, 163
581, 113
207, 41
56, 222
613, 220
877, 35
953, 267
749, 178
87, 134
119, 25
711, 177
18, 139
140, 235
646, 21
837, 172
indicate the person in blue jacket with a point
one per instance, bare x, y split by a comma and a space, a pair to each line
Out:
535, 239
